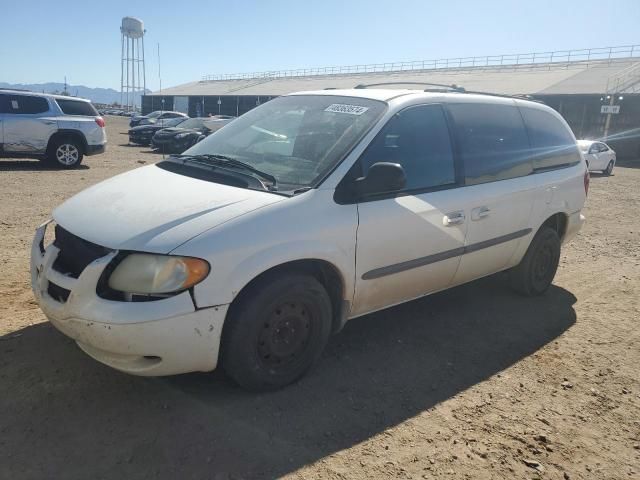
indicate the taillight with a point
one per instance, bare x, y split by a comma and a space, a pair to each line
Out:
586, 182
100, 122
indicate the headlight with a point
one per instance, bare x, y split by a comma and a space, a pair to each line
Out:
182, 135
145, 273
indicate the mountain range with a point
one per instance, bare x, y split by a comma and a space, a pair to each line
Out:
107, 96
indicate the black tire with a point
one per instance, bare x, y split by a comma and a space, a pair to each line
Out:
609, 170
276, 332
534, 274
65, 152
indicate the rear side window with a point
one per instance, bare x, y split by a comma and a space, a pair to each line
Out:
552, 142
25, 104
74, 107
418, 139
493, 142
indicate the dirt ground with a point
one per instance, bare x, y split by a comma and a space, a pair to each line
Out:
475, 382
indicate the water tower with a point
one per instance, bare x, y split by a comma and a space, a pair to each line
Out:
133, 80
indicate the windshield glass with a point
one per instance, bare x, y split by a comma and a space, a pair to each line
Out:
192, 123
297, 139
155, 114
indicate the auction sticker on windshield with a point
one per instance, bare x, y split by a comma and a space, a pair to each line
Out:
342, 108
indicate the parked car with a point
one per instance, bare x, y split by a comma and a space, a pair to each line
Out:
142, 133
261, 240
61, 130
598, 155
154, 117
177, 139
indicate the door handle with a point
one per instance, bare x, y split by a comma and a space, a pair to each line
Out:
480, 213
453, 218
48, 122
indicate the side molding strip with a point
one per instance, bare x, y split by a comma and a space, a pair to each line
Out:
438, 257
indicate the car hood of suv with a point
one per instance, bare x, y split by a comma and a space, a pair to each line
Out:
153, 210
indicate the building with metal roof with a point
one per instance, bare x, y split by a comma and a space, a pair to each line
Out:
577, 83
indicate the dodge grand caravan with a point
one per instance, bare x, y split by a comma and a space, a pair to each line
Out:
257, 243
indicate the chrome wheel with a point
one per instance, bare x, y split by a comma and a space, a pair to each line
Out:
67, 154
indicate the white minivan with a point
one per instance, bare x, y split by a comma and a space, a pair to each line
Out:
314, 208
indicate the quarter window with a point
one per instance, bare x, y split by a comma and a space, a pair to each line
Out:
25, 104
418, 139
493, 142
75, 107
553, 145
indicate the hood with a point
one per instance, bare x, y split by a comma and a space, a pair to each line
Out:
171, 131
146, 128
153, 210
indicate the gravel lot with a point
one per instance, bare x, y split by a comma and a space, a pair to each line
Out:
475, 382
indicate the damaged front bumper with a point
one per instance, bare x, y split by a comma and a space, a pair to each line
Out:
159, 337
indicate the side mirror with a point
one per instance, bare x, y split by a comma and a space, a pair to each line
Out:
382, 177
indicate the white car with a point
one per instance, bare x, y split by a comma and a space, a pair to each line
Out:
257, 243
598, 155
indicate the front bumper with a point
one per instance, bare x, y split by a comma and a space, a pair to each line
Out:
141, 138
161, 337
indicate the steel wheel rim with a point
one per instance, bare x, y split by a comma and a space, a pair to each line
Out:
284, 336
67, 154
542, 264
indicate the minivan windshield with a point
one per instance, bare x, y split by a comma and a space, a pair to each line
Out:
296, 139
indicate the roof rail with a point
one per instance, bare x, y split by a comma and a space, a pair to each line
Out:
518, 96
440, 86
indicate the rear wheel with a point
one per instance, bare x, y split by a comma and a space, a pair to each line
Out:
534, 274
276, 332
609, 170
65, 152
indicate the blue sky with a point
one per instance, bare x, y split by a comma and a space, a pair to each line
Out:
43, 41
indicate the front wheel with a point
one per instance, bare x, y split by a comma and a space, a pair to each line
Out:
534, 274
65, 153
277, 331
609, 170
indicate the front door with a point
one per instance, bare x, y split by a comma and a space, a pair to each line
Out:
409, 243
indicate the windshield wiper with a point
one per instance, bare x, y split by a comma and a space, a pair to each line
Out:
224, 161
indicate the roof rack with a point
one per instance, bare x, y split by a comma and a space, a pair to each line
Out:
518, 96
440, 86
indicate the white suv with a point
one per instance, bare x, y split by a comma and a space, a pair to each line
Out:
52, 127
310, 210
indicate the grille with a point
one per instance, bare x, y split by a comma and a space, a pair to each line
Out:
58, 293
75, 253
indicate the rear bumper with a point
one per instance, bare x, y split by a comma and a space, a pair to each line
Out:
574, 224
95, 149
162, 337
